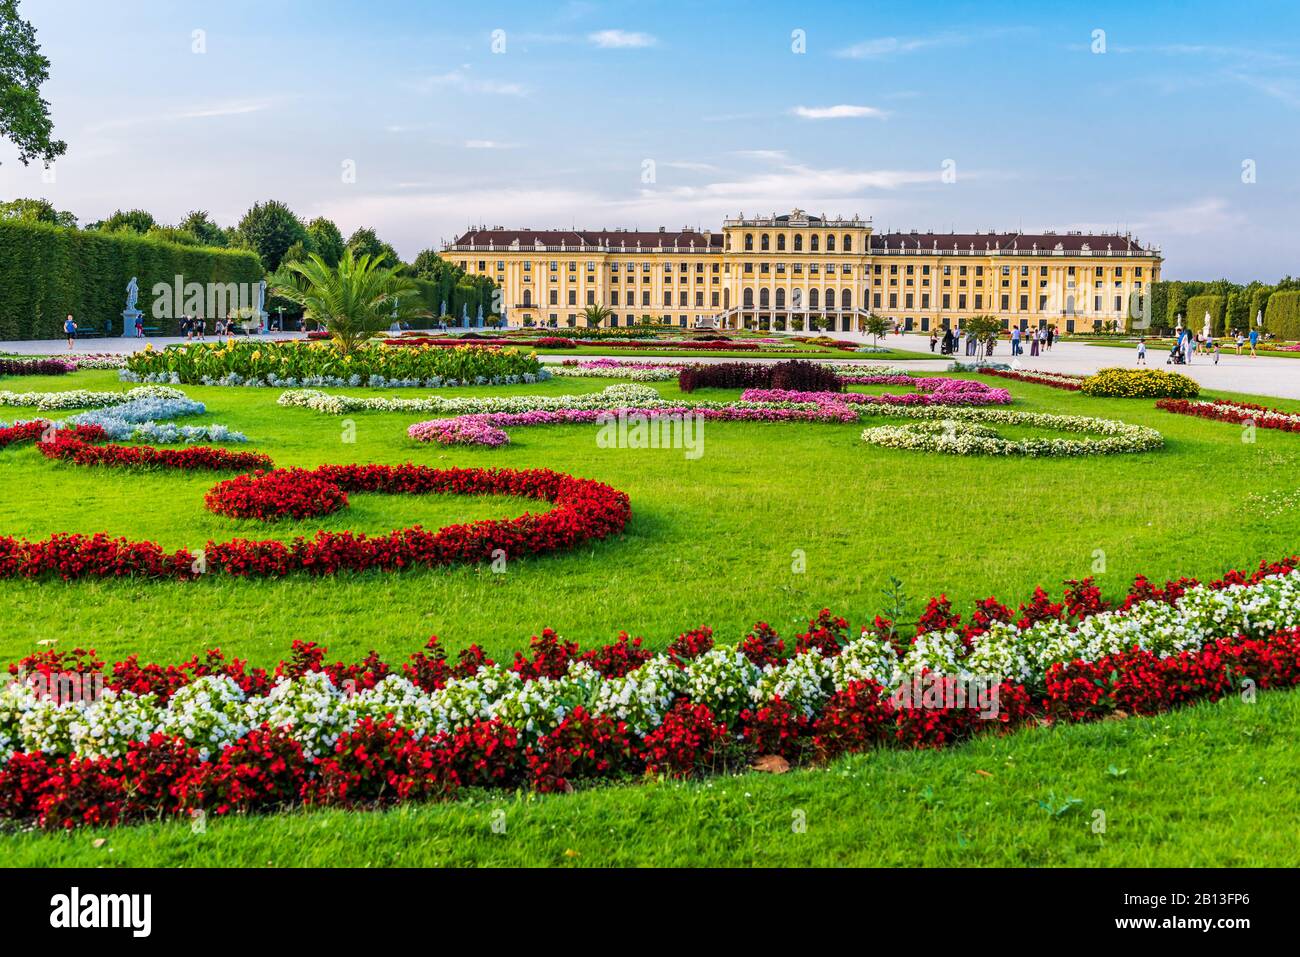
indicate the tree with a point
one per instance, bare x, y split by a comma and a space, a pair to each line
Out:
354, 299
874, 326
201, 225
174, 234
24, 115
36, 211
364, 242
269, 229
983, 329
326, 240
132, 221
593, 316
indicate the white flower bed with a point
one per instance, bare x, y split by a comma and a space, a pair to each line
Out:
86, 399
957, 432
212, 711
610, 396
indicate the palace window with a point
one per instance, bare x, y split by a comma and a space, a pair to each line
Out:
780, 242
830, 242
798, 242
765, 242
812, 244
749, 242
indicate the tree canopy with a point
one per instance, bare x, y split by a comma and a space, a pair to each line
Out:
24, 115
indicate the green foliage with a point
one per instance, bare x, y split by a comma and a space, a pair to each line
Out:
257, 358
597, 315
354, 299
325, 240
1198, 306
36, 211
1282, 317
128, 221
365, 242
200, 224
48, 271
269, 229
24, 115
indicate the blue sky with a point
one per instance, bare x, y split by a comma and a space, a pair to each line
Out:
560, 127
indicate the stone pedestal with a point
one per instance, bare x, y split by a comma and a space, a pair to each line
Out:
129, 316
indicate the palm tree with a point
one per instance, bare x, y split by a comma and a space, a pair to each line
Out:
595, 315
354, 299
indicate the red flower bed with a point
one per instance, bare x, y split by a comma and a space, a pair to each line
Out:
24, 432
585, 510
282, 493
77, 445
1223, 410
1056, 382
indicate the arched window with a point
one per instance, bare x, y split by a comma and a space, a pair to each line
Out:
830, 299
848, 242
780, 242
528, 297
765, 242
846, 299
814, 299
749, 241
798, 242
830, 242
763, 299
749, 299
812, 243
780, 299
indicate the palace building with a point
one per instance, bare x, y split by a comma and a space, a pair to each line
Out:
799, 271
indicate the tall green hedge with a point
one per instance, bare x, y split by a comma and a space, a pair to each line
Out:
1198, 306
1282, 317
48, 271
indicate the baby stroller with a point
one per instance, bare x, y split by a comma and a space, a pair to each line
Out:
1176, 356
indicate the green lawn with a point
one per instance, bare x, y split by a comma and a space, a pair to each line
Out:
712, 541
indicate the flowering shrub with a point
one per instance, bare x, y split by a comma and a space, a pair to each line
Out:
795, 375
293, 362
35, 367
226, 740
1140, 384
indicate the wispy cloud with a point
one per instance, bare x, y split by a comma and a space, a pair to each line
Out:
683, 164
461, 80
840, 111
621, 39
194, 113
489, 145
879, 47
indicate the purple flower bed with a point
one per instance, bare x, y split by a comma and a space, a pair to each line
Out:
36, 366
935, 391
462, 430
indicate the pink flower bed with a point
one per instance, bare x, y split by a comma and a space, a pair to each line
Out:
463, 430
935, 391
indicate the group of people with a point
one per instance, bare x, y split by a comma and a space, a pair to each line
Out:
1188, 344
957, 341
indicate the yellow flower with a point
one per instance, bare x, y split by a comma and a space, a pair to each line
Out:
257, 354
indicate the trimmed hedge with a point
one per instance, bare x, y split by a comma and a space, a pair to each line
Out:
1282, 316
49, 271
793, 374
1198, 306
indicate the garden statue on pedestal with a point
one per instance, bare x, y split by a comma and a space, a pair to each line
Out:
130, 314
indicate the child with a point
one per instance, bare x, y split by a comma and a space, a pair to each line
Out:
1142, 352
70, 330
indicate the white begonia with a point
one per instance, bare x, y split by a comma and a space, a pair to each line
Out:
209, 713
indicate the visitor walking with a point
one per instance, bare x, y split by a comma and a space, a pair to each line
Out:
1051, 337
934, 341
1015, 341
139, 328
1142, 352
70, 330
1254, 340
1240, 341
1189, 347
1033, 343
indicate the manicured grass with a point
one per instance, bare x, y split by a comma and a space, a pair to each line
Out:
717, 540
1213, 785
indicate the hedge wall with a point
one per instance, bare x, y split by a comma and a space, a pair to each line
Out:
1282, 317
1198, 306
48, 271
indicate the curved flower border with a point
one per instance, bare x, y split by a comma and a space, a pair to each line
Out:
214, 734
1119, 437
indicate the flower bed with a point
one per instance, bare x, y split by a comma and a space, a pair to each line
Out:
793, 374
463, 430
293, 363
1057, 380
36, 367
1225, 410
959, 432
584, 510
932, 391
1140, 384
615, 369
621, 394
84, 399
217, 735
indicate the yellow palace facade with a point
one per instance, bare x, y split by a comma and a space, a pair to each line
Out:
797, 271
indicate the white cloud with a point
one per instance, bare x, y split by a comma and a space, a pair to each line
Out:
193, 113
682, 164
488, 145
837, 112
621, 39
879, 47
460, 80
